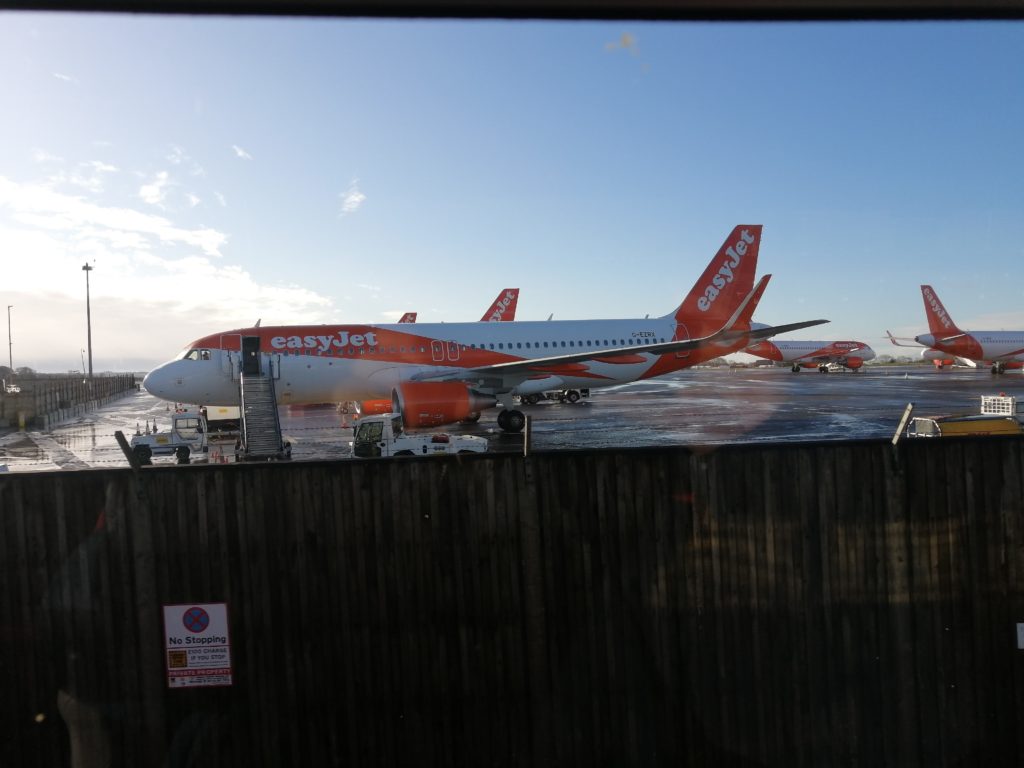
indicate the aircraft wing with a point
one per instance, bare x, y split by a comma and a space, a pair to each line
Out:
546, 364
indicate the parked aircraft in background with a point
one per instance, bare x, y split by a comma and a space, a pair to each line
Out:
502, 310
440, 373
945, 341
814, 354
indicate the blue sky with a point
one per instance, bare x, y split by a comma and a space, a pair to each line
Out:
217, 171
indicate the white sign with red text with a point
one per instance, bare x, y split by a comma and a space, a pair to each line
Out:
198, 646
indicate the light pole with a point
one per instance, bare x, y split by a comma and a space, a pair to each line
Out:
88, 316
10, 355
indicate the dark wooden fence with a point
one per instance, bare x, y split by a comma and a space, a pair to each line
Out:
808, 605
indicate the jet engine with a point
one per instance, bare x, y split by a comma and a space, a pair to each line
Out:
854, 363
938, 358
430, 404
374, 407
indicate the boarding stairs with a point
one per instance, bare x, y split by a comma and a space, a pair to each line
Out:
261, 425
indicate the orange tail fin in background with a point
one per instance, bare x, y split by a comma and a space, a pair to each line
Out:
504, 307
940, 324
726, 282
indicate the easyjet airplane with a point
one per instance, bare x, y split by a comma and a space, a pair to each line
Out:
945, 341
814, 354
502, 310
440, 373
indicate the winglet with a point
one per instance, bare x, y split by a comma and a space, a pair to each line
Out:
726, 282
939, 322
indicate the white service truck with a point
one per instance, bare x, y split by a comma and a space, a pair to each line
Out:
382, 435
187, 435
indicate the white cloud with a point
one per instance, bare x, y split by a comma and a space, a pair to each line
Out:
100, 167
352, 199
46, 209
178, 156
193, 201
220, 199
65, 78
241, 152
42, 156
155, 287
155, 192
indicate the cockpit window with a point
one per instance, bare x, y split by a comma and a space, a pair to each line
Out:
194, 354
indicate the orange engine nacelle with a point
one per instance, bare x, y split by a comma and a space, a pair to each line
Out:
854, 362
430, 404
374, 407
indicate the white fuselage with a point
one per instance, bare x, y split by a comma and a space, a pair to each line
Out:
334, 363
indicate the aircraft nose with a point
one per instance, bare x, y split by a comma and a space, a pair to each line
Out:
159, 382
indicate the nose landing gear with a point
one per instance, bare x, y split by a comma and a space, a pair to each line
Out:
511, 420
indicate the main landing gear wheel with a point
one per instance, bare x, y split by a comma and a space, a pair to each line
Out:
795, 369
531, 399
511, 421
573, 396
822, 369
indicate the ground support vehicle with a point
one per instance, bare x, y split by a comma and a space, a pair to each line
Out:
557, 395
225, 420
383, 435
1000, 415
187, 435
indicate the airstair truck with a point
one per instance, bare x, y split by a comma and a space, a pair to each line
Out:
383, 435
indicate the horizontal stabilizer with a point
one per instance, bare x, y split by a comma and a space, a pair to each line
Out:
774, 330
897, 339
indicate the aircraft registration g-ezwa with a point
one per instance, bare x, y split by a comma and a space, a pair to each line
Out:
503, 309
945, 341
814, 354
441, 373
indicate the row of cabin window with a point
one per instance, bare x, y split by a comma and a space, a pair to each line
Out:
491, 345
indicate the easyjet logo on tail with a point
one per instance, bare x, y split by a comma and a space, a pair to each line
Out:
938, 311
733, 256
501, 306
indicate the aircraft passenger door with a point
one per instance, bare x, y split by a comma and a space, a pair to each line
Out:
251, 356
437, 351
453, 350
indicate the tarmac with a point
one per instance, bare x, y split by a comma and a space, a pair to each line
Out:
693, 407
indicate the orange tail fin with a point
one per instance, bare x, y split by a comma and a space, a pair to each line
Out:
726, 282
504, 307
939, 322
